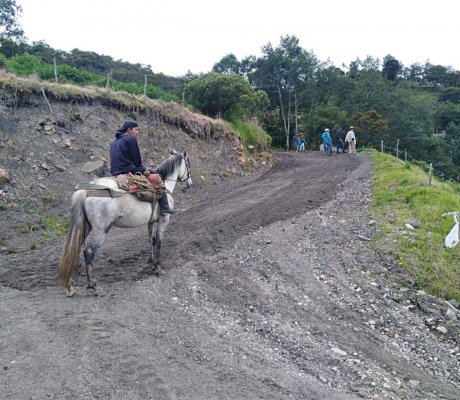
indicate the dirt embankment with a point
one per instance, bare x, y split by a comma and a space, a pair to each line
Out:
50, 145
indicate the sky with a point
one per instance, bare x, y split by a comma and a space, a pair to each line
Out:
178, 36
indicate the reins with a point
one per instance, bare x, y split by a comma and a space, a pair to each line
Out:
182, 179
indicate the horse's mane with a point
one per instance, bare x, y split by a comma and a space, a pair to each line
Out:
167, 167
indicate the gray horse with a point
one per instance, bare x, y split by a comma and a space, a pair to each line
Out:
98, 214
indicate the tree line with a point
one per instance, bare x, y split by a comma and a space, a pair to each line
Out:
286, 90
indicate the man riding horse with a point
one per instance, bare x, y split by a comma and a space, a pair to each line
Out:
126, 158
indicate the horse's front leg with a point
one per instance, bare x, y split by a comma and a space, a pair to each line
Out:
155, 245
152, 240
158, 270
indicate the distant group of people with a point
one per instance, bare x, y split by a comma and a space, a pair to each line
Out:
298, 142
350, 141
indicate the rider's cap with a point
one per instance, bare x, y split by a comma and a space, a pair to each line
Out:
129, 123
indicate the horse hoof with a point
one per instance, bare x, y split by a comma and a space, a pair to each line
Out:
71, 291
96, 291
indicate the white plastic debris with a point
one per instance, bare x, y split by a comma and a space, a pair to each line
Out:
451, 239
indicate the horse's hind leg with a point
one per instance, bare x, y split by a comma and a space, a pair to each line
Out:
90, 253
70, 288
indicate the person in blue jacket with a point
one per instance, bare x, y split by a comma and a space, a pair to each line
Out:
125, 157
327, 142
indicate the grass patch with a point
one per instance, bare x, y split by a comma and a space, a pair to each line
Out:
54, 227
252, 135
401, 193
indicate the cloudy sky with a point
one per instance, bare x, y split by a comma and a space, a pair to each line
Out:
176, 36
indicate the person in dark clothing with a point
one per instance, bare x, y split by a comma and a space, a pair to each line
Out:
126, 158
340, 144
124, 151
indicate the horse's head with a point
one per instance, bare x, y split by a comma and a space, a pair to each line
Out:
183, 173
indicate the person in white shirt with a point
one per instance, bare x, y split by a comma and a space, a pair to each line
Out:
351, 139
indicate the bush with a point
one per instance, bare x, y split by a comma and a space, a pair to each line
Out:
69, 74
23, 65
252, 135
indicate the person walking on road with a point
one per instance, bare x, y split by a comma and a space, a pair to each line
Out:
340, 145
351, 139
327, 142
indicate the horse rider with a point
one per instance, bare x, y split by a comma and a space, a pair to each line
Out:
126, 158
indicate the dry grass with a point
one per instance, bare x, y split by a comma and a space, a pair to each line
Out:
169, 112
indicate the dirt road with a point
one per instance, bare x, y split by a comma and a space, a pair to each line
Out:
271, 291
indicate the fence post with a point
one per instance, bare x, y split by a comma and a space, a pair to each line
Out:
397, 149
405, 155
381, 146
431, 173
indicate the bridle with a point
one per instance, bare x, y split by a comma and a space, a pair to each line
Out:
186, 174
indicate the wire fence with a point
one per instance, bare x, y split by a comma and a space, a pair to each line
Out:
402, 154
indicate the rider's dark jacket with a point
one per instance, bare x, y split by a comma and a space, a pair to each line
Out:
125, 155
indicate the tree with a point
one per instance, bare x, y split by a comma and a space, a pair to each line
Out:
9, 26
320, 117
437, 75
392, 68
416, 73
281, 72
216, 94
227, 65
371, 127
446, 114
9, 48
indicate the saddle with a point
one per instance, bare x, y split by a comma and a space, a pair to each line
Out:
146, 187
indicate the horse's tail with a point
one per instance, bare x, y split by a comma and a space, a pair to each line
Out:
74, 239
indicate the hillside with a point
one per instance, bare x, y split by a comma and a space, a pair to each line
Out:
53, 137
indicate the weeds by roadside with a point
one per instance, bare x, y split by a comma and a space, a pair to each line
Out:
403, 198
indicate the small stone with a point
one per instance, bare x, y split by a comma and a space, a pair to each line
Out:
414, 223
450, 314
441, 329
454, 303
336, 350
4, 175
92, 166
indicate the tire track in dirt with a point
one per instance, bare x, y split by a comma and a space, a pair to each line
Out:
214, 222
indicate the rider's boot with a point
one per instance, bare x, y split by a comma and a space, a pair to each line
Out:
164, 204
